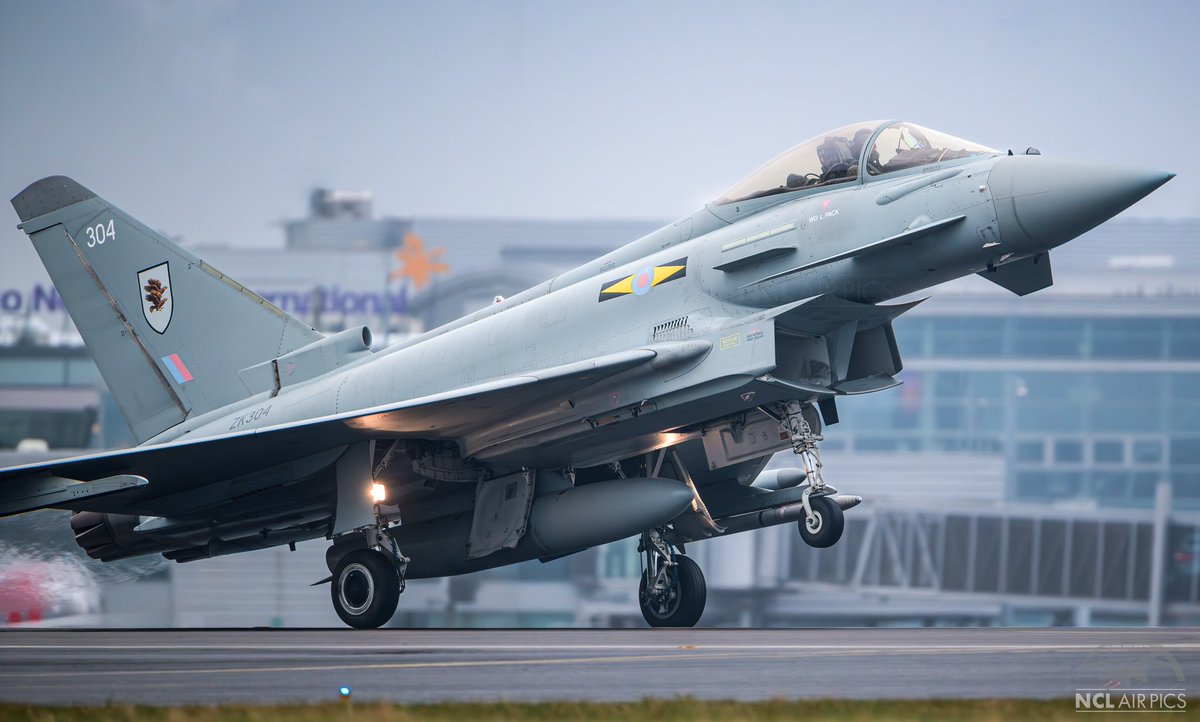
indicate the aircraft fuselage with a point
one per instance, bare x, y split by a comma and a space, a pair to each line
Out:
567, 319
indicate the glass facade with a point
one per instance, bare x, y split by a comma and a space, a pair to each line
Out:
1052, 337
36, 400
1082, 407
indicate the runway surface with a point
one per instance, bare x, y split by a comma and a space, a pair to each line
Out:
263, 666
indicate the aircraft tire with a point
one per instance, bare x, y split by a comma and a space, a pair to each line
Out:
365, 589
685, 608
826, 525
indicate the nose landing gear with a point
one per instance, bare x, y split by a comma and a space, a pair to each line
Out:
823, 522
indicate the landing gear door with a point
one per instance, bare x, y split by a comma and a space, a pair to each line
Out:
748, 436
501, 513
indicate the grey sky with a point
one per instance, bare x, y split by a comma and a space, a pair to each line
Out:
213, 119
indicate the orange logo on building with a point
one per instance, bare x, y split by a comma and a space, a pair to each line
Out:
417, 264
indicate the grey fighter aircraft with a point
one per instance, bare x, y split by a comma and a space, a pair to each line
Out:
639, 394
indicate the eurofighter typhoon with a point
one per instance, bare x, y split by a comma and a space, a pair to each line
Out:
640, 394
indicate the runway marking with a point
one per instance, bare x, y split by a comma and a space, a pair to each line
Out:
144, 667
685, 656
380, 665
596, 647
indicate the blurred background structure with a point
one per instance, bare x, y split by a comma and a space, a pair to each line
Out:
1040, 464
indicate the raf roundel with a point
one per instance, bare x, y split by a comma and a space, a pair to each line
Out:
640, 283
643, 281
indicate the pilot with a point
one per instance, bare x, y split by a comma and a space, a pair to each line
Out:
856, 145
860, 138
838, 162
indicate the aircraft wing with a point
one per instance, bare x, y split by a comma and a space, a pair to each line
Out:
151, 471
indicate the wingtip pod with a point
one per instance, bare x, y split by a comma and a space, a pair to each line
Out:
48, 195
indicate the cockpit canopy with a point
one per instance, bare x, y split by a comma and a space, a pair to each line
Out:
837, 156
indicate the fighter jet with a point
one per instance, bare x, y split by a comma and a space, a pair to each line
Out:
640, 394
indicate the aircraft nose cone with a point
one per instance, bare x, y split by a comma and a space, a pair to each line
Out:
1045, 202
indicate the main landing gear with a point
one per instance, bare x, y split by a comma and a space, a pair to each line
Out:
672, 591
367, 583
365, 589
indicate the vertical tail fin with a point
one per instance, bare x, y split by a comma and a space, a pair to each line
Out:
168, 332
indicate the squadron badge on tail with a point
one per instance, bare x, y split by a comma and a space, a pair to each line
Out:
155, 289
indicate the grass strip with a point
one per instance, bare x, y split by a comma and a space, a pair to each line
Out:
668, 710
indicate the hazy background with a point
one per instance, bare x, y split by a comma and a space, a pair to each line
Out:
211, 118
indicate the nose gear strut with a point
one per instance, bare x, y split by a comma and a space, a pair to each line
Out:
822, 524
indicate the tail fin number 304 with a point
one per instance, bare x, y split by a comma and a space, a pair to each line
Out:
99, 233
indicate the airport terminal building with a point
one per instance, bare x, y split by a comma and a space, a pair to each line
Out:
1040, 463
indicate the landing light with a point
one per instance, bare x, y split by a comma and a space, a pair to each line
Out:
378, 493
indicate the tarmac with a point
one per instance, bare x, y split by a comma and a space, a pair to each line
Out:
172, 667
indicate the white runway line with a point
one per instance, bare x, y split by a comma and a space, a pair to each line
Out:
270, 666
1012, 647
379, 665
679, 655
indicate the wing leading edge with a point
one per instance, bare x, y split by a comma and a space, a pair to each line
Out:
186, 463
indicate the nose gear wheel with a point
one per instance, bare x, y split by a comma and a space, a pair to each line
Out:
823, 526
